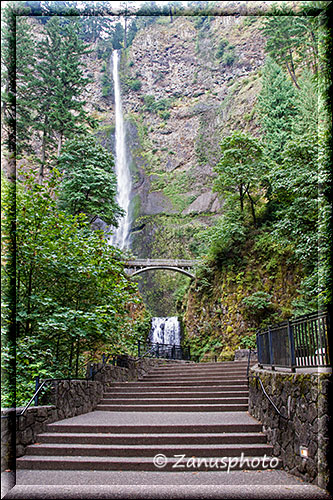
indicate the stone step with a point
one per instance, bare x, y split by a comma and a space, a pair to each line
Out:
196, 378
142, 463
215, 389
153, 438
156, 428
193, 368
172, 401
199, 376
182, 394
203, 369
175, 407
180, 383
144, 450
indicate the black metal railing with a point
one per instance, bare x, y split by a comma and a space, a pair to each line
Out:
157, 350
296, 343
91, 371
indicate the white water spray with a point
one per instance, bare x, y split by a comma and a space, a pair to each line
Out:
120, 237
165, 331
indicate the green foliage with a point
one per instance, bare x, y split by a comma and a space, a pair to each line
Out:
89, 184
153, 106
133, 84
248, 342
223, 241
107, 84
221, 47
72, 294
277, 108
226, 52
258, 303
292, 40
241, 168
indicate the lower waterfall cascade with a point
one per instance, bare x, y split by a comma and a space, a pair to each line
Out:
165, 331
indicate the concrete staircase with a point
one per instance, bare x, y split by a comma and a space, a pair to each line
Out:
208, 387
183, 409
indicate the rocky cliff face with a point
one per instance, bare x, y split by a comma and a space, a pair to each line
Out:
189, 97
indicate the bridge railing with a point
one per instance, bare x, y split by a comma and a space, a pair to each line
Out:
157, 350
298, 343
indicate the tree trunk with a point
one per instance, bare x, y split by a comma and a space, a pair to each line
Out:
59, 144
77, 357
291, 70
43, 156
27, 325
252, 210
71, 358
241, 197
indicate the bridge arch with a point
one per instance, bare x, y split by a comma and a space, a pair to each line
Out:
168, 268
139, 266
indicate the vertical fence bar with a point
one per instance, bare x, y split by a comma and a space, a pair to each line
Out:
319, 352
258, 342
139, 349
270, 346
291, 346
327, 336
36, 389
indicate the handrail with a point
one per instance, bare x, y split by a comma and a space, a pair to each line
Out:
48, 380
249, 360
269, 399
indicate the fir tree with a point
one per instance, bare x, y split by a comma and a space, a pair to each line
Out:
277, 109
58, 86
89, 185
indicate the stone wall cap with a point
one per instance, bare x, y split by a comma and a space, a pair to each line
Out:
324, 370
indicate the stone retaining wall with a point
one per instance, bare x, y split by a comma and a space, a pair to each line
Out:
303, 398
69, 398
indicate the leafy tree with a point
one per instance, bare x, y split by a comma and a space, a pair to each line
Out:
295, 186
72, 294
89, 184
277, 108
223, 240
240, 168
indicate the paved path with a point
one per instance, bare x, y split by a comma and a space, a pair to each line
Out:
244, 484
161, 485
151, 418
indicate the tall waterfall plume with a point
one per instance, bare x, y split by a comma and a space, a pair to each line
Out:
120, 237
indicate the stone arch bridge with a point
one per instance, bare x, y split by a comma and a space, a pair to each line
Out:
138, 266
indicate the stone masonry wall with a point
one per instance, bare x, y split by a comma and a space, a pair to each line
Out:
303, 398
69, 399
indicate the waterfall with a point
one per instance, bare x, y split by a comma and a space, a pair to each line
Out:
165, 331
124, 184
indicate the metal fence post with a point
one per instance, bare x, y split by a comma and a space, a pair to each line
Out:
36, 389
188, 352
292, 346
258, 349
138, 348
270, 345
